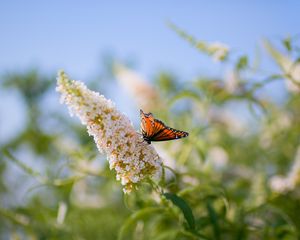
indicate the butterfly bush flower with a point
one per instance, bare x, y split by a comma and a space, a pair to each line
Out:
230, 121
232, 82
131, 158
143, 93
290, 68
283, 184
217, 158
282, 121
219, 51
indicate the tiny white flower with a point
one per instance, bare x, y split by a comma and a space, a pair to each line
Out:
288, 66
232, 81
217, 158
143, 93
291, 181
61, 213
279, 184
294, 174
132, 159
219, 51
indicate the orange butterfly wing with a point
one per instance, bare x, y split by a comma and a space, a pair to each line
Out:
155, 130
147, 122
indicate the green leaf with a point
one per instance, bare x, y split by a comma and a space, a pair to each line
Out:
287, 43
38, 176
214, 220
184, 95
183, 34
242, 63
184, 207
283, 61
218, 51
141, 214
171, 234
25, 167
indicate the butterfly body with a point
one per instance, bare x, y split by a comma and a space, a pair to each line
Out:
154, 130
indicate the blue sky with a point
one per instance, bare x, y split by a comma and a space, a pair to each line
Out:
73, 34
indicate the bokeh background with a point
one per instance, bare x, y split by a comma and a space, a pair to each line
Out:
241, 112
78, 36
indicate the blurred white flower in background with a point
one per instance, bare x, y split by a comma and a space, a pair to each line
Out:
143, 93
281, 121
83, 196
283, 184
280, 184
234, 125
289, 67
132, 159
61, 213
232, 81
219, 51
217, 158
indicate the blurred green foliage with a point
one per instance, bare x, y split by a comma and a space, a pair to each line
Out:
217, 182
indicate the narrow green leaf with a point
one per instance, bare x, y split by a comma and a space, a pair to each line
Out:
141, 214
38, 176
22, 165
287, 43
167, 235
242, 63
283, 61
184, 207
192, 234
183, 34
217, 51
184, 95
214, 220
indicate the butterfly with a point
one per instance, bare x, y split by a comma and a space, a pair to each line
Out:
154, 130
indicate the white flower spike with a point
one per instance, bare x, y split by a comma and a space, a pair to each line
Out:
132, 159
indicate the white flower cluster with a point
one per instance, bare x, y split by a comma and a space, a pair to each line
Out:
290, 68
144, 94
132, 158
219, 51
283, 184
282, 121
217, 158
